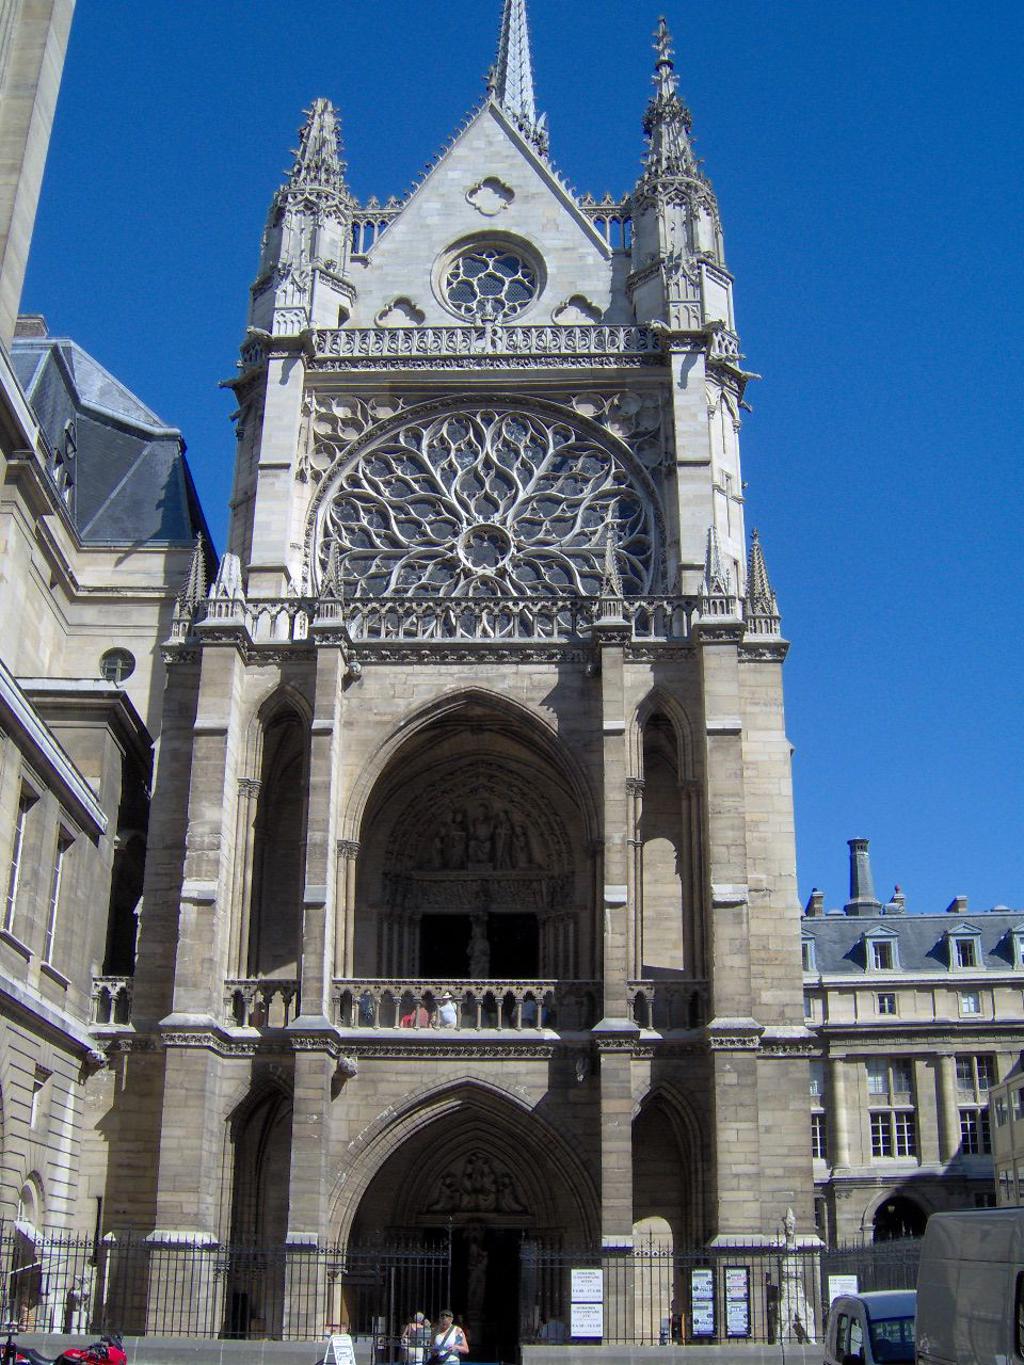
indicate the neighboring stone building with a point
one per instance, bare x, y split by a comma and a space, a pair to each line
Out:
1006, 1108
917, 1018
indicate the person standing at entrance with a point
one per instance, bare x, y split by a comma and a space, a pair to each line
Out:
416, 1339
450, 1343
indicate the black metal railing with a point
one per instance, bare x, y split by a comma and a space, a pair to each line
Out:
132, 1284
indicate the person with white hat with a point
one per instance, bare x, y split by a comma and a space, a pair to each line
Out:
447, 1014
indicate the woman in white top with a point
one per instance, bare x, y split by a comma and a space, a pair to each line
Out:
447, 1014
450, 1344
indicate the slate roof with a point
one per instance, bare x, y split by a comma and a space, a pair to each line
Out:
839, 945
131, 481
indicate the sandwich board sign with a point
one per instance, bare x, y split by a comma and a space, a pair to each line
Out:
339, 1351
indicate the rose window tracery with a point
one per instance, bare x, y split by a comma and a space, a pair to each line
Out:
487, 502
485, 284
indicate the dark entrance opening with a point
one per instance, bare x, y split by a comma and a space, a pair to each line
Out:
899, 1217
485, 1290
513, 942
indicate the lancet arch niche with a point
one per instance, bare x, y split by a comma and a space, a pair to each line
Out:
474, 860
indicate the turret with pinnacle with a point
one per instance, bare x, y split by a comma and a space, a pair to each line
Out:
303, 278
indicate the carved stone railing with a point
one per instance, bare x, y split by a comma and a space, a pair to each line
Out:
519, 1006
267, 1002
668, 1004
612, 218
438, 619
492, 338
111, 1000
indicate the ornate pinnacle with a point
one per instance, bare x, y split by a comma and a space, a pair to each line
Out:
761, 603
611, 584
333, 586
193, 590
667, 120
318, 173
510, 81
717, 581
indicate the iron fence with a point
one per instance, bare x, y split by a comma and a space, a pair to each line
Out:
132, 1285
649, 1295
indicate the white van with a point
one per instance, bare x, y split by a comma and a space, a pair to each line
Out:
970, 1289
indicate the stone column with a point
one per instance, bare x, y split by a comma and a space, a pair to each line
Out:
925, 1087
242, 882
610, 636
949, 1109
614, 1051
839, 1131
345, 913
635, 874
321, 848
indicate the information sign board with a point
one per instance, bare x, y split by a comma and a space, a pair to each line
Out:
587, 1286
339, 1350
587, 1320
737, 1301
702, 1303
841, 1284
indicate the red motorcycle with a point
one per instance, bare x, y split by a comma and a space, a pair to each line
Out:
108, 1350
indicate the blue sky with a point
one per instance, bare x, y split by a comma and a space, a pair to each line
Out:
867, 162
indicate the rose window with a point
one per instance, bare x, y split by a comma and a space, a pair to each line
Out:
488, 502
488, 283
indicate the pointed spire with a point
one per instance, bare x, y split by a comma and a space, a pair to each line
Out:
611, 585
318, 173
193, 590
761, 604
510, 81
667, 121
717, 581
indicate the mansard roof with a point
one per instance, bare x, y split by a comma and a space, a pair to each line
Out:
923, 941
130, 479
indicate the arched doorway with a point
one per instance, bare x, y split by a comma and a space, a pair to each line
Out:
475, 856
898, 1217
478, 1171
261, 1148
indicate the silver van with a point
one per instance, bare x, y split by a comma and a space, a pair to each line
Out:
871, 1329
970, 1288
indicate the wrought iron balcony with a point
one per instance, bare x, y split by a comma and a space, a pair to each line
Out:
519, 1006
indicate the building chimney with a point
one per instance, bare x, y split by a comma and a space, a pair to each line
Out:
862, 887
815, 903
957, 906
898, 903
30, 325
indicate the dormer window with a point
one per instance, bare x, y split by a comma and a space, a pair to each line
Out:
964, 946
807, 954
883, 959
1017, 944
881, 950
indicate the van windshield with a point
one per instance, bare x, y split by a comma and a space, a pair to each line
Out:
892, 1339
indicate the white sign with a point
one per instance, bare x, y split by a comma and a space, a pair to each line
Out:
587, 1319
587, 1286
702, 1303
339, 1351
737, 1302
841, 1284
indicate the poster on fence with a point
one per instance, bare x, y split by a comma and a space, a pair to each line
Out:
702, 1303
587, 1286
841, 1284
587, 1320
737, 1301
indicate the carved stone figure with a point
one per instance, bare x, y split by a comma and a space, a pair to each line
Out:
481, 853
454, 842
479, 952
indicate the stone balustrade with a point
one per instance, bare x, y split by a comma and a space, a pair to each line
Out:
668, 1004
111, 1000
437, 620
519, 1006
265, 1003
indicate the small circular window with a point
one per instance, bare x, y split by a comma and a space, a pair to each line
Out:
117, 665
488, 283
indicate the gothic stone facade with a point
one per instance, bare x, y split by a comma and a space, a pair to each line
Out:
485, 702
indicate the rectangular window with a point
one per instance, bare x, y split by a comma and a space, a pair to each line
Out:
893, 1132
986, 1073
808, 1005
883, 958
966, 952
902, 1082
817, 1079
878, 1076
1017, 1101
975, 1132
56, 876
35, 1109
807, 954
886, 1002
1004, 1188
1001, 1113
881, 1134
970, 1002
819, 1142
25, 803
